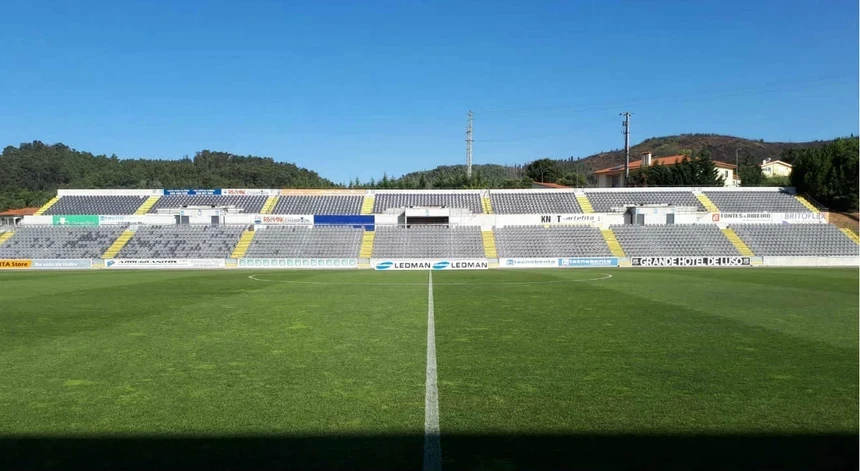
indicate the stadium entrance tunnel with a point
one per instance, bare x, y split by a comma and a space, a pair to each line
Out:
459, 451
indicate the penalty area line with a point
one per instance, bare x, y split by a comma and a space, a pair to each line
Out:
432, 443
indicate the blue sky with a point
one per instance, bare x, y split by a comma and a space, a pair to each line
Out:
355, 89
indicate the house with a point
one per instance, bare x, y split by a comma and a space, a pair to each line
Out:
613, 177
13, 216
775, 168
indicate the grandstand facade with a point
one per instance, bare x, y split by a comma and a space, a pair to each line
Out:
441, 229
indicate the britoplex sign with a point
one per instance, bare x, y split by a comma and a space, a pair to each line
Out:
394, 265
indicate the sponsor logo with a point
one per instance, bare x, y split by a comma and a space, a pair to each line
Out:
803, 216
531, 262
588, 262
62, 264
14, 264
284, 220
110, 263
690, 261
432, 265
216, 191
757, 216
570, 218
715, 217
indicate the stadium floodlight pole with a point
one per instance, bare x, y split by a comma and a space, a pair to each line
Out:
469, 147
626, 132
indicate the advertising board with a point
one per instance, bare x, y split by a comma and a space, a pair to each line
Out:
298, 263
137, 263
427, 264
15, 264
690, 261
528, 262
248, 192
588, 262
57, 264
120, 219
75, 220
265, 219
216, 191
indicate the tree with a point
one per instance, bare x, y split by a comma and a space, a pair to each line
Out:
574, 179
829, 173
750, 174
543, 170
699, 171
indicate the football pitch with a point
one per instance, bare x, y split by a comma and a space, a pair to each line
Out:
534, 369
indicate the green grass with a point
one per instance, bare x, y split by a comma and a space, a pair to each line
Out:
668, 368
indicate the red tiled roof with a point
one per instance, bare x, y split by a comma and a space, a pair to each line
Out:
19, 212
549, 185
671, 160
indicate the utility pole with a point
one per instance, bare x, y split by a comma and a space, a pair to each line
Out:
736, 158
469, 147
626, 131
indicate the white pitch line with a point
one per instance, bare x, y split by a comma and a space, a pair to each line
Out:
605, 276
432, 444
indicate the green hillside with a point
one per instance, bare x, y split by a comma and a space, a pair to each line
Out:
31, 173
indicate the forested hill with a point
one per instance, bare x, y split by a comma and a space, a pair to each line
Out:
31, 173
721, 148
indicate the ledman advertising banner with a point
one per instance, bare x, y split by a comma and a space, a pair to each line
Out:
15, 264
416, 264
132, 263
303, 263
690, 261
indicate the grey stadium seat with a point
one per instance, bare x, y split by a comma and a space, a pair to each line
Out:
604, 201
306, 242
796, 240
535, 203
96, 205
246, 204
63, 242
756, 201
182, 241
553, 241
428, 242
385, 201
682, 240
299, 204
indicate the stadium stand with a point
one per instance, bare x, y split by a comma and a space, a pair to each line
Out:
96, 205
245, 204
428, 242
604, 201
691, 240
298, 204
58, 242
385, 201
182, 241
535, 203
553, 241
796, 239
306, 242
756, 202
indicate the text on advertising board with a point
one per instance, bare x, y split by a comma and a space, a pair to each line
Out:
690, 261
432, 265
13, 264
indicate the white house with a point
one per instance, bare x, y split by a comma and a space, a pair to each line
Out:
775, 168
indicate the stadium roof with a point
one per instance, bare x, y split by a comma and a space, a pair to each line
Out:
671, 160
